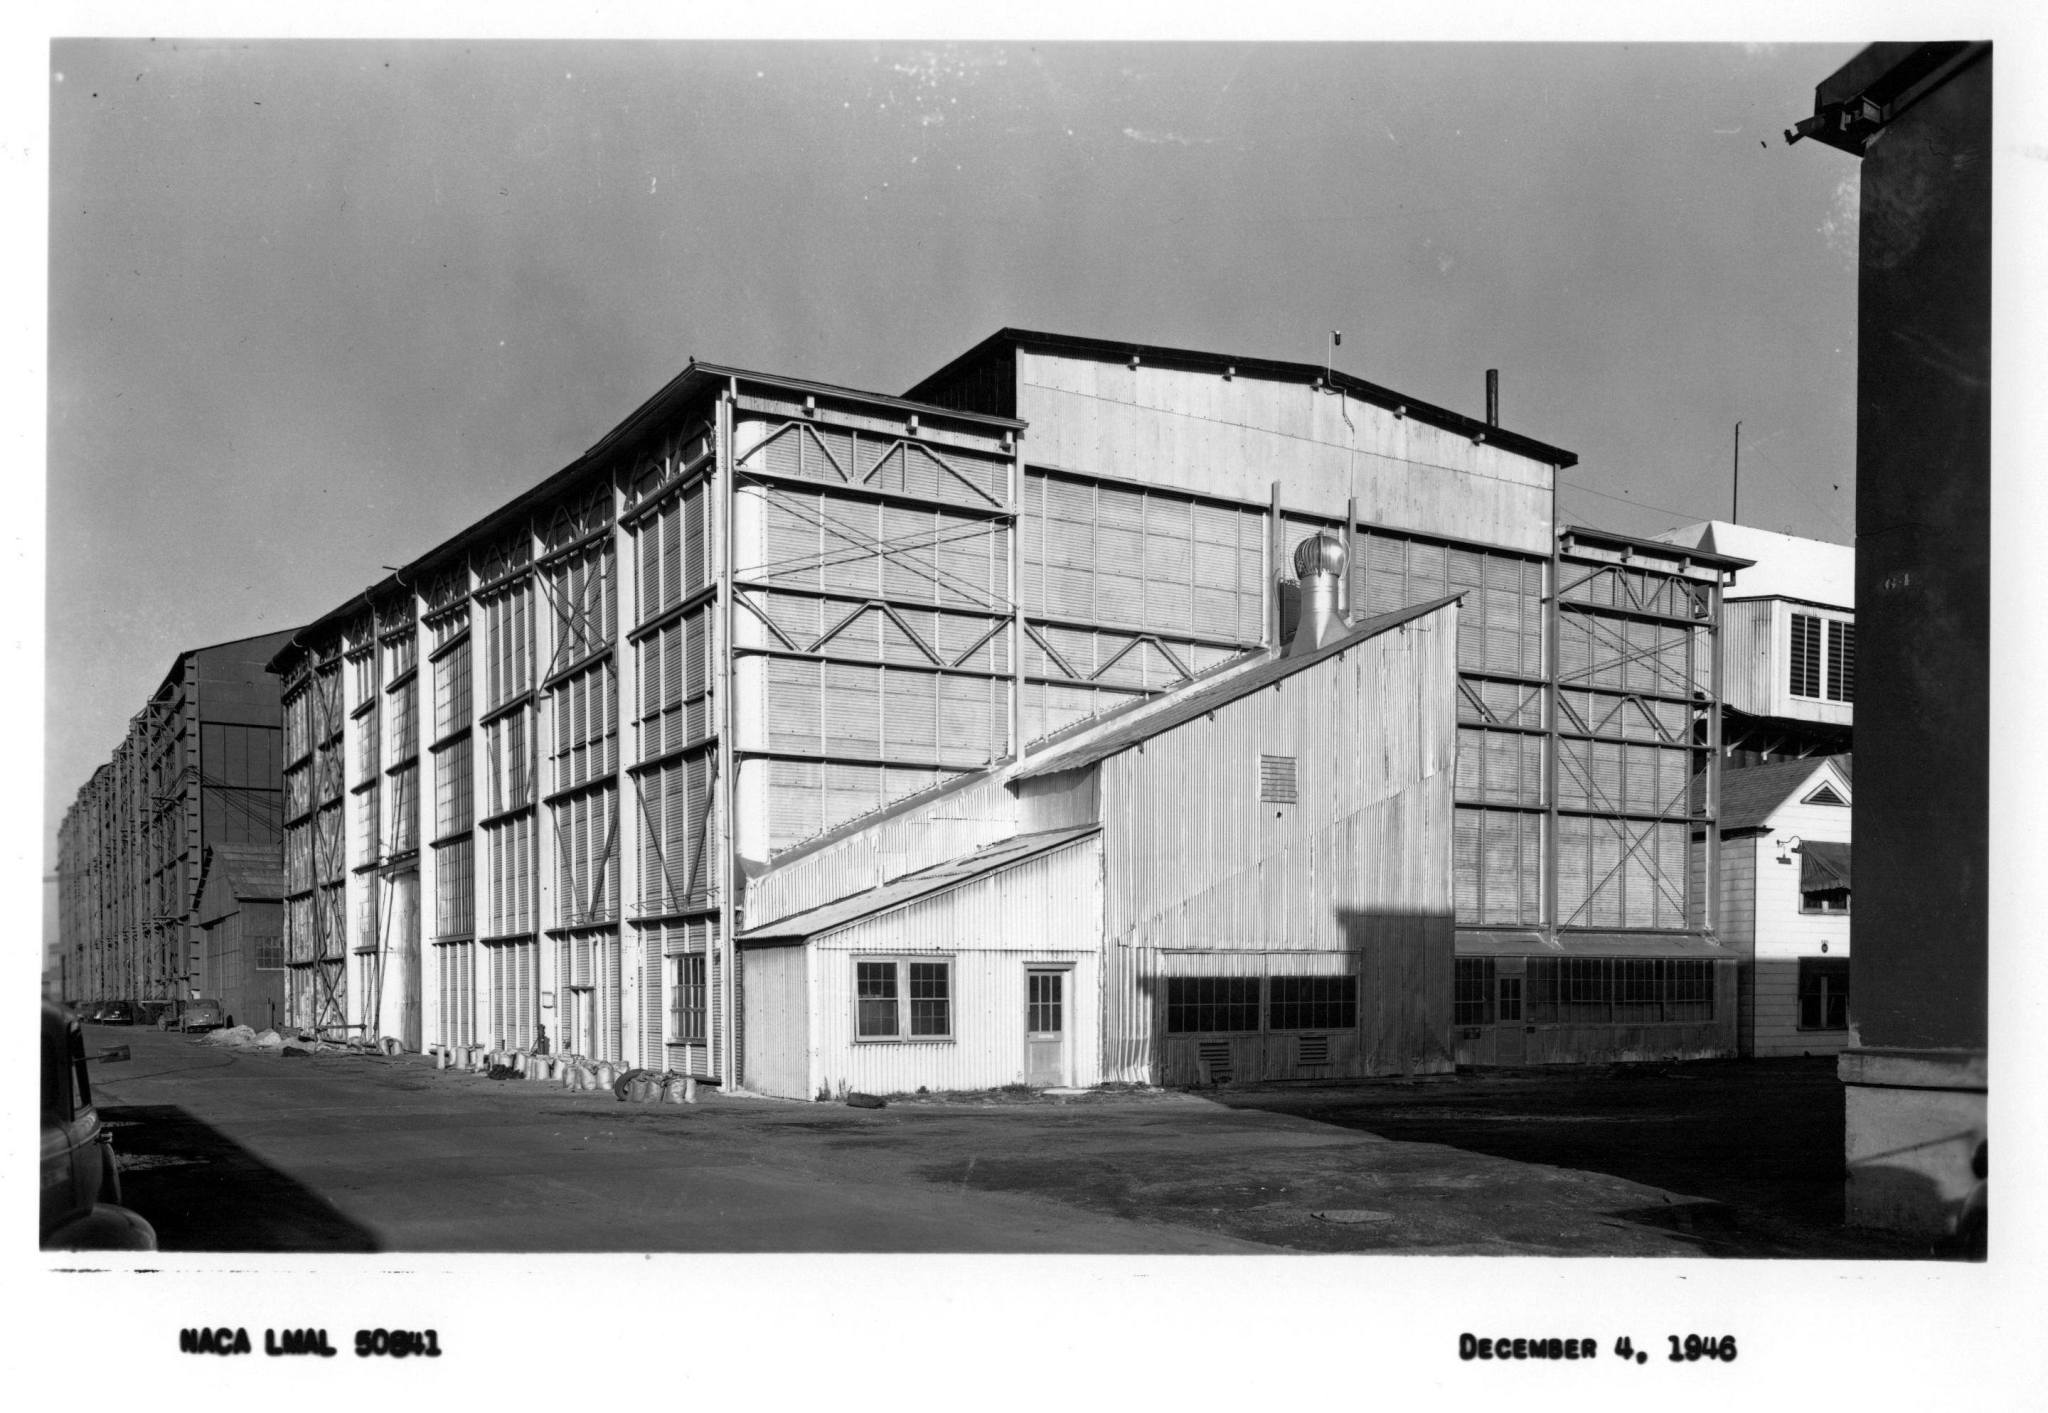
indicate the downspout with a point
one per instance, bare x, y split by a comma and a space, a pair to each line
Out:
728, 853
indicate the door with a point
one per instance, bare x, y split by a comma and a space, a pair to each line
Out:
1509, 1037
1045, 1027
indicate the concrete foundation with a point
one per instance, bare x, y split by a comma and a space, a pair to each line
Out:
1914, 1125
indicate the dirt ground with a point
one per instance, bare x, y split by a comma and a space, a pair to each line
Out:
256, 1152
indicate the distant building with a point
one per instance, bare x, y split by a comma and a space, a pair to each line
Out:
1786, 901
1788, 659
240, 916
1918, 116
198, 768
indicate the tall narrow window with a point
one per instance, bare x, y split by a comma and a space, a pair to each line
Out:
688, 1019
1805, 655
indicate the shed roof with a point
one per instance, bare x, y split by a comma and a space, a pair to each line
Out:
990, 858
1751, 794
1189, 703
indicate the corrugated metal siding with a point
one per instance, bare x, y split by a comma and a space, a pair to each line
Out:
1361, 864
1048, 910
1746, 656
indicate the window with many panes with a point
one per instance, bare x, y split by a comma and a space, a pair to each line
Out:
1312, 1003
1198, 1005
1824, 900
1472, 991
1823, 993
900, 999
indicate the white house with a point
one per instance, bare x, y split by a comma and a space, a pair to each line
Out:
1785, 897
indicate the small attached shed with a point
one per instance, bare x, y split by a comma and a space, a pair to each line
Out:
240, 912
1785, 893
973, 974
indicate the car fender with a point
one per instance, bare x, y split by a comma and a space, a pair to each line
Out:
105, 1228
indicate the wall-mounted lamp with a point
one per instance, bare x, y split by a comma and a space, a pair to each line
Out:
1788, 847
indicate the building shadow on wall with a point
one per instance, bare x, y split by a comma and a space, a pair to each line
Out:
202, 1191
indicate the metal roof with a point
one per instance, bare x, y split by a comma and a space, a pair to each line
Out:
1824, 865
1190, 702
1244, 367
1712, 559
990, 858
1751, 794
696, 380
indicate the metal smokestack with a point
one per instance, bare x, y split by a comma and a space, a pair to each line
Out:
1319, 564
1493, 397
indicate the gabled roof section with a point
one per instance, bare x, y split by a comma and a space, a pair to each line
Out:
991, 858
1004, 340
1751, 794
1190, 702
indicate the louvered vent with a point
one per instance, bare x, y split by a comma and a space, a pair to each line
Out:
1825, 795
1276, 779
1215, 1057
1315, 1050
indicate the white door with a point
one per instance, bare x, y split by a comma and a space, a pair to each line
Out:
1045, 1027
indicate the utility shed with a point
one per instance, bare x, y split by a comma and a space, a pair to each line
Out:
975, 973
1246, 879
240, 915
1785, 895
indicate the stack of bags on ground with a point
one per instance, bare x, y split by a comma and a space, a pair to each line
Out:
572, 1072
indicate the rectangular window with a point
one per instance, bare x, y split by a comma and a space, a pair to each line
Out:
455, 888
1510, 998
1276, 779
687, 1024
1824, 900
1312, 1003
269, 953
875, 989
1841, 661
1823, 993
1200, 1005
1620, 990
881, 987
1472, 991
452, 691
454, 795
508, 644
404, 718
1805, 655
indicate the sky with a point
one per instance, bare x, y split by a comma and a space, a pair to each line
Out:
315, 306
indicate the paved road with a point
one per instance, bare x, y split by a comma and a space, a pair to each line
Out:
252, 1151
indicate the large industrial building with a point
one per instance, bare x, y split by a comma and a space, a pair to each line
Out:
198, 769
539, 782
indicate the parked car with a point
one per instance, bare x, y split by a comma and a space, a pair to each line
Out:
81, 1199
117, 1013
150, 1012
203, 1014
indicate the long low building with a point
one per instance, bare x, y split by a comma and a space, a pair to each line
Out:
536, 779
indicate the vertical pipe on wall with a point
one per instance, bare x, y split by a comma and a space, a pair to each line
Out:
1552, 717
1016, 597
1354, 568
1710, 912
721, 469
1275, 553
